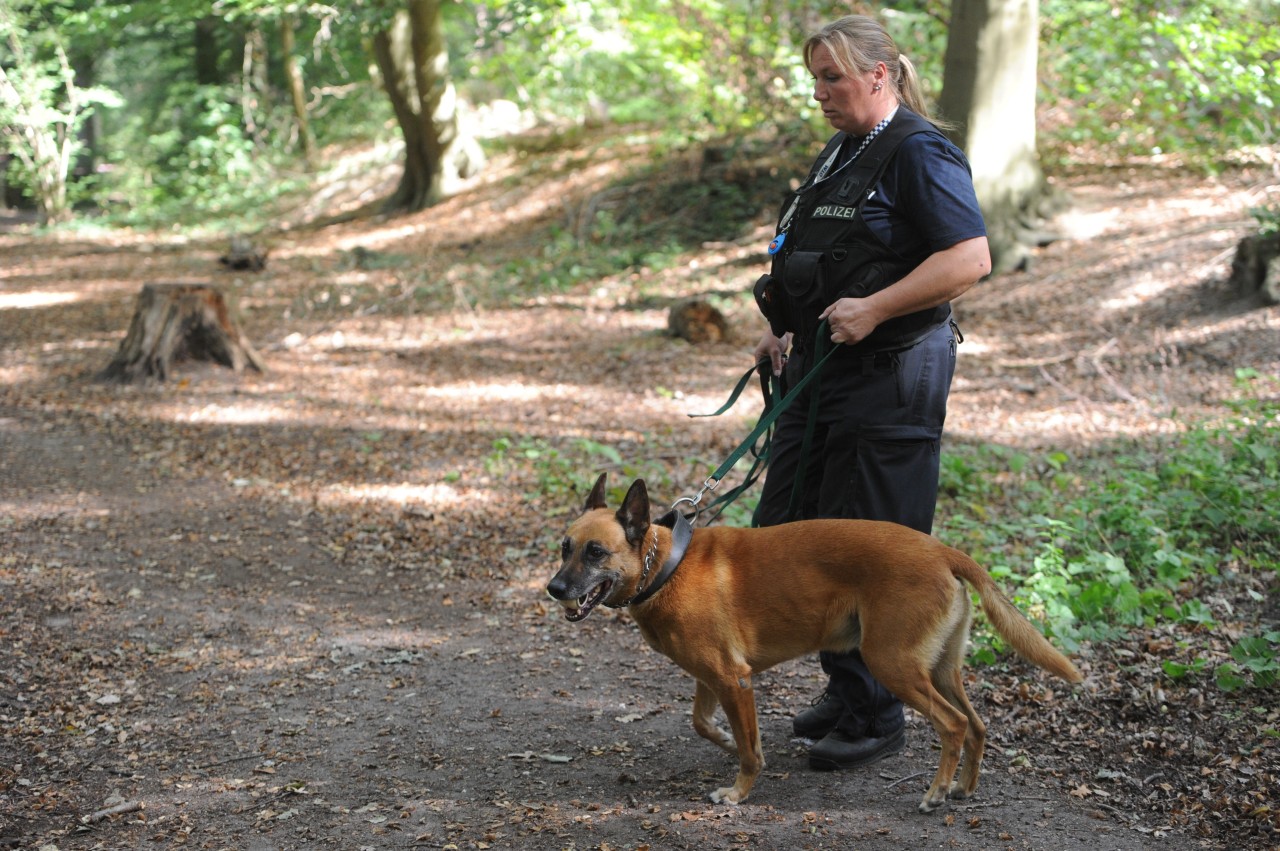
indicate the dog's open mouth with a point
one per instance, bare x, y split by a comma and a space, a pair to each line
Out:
587, 602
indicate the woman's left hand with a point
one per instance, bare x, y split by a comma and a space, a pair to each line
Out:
851, 320
943, 276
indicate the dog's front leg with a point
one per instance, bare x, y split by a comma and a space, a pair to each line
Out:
738, 700
704, 720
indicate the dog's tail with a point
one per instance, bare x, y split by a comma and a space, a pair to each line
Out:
1010, 623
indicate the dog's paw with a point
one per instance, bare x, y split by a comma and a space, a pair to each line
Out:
726, 795
931, 802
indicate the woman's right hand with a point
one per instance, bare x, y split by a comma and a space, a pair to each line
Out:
773, 348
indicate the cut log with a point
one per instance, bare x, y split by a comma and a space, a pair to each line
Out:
243, 255
697, 321
176, 322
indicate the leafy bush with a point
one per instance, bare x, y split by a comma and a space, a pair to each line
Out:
1201, 78
1095, 545
43, 110
189, 162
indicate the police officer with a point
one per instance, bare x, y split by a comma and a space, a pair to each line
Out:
883, 234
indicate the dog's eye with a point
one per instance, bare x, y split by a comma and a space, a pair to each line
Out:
595, 552
566, 549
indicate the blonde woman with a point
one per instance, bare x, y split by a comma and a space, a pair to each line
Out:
883, 234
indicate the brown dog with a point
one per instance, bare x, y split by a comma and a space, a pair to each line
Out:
744, 600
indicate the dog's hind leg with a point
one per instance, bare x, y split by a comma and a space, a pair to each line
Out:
948, 679
740, 708
903, 675
704, 720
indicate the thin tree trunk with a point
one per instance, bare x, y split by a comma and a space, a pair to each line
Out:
206, 58
297, 90
253, 73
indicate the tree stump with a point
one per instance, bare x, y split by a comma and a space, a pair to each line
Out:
175, 322
1256, 267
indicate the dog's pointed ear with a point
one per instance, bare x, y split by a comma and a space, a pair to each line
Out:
596, 498
633, 516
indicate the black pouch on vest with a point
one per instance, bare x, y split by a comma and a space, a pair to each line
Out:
803, 277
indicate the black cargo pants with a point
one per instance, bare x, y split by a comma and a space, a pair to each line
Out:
874, 456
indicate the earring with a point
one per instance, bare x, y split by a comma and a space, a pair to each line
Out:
876, 87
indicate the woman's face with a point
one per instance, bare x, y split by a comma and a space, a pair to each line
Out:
849, 102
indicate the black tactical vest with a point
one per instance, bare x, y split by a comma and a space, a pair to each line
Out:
829, 253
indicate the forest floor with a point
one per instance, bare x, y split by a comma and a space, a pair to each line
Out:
304, 609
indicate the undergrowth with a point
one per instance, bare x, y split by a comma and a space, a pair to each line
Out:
1152, 532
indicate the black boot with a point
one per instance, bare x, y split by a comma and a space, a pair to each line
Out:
839, 749
820, 718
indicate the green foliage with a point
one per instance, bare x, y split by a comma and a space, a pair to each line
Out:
1268, 217
697, 68
563, 473
622, 230
1095, 545
560, 473
1178, 670
1197, 78
564, 260
191, 162
42, 106
209, 135
1259, 656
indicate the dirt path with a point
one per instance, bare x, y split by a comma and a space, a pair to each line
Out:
256, 689
304, 610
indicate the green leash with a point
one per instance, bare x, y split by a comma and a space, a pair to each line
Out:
772, 410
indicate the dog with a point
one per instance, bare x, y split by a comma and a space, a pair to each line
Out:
727, 603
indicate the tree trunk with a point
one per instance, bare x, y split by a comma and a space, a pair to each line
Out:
989, 92
207, 54
88, 154
297, 90
413, 63
175, 322
253, 79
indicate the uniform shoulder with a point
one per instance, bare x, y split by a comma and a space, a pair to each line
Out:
930, 145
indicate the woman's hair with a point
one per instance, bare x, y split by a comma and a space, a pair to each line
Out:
857, 43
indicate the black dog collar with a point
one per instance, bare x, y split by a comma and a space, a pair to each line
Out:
681, 535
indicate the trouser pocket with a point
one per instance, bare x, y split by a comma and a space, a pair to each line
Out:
890, 472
